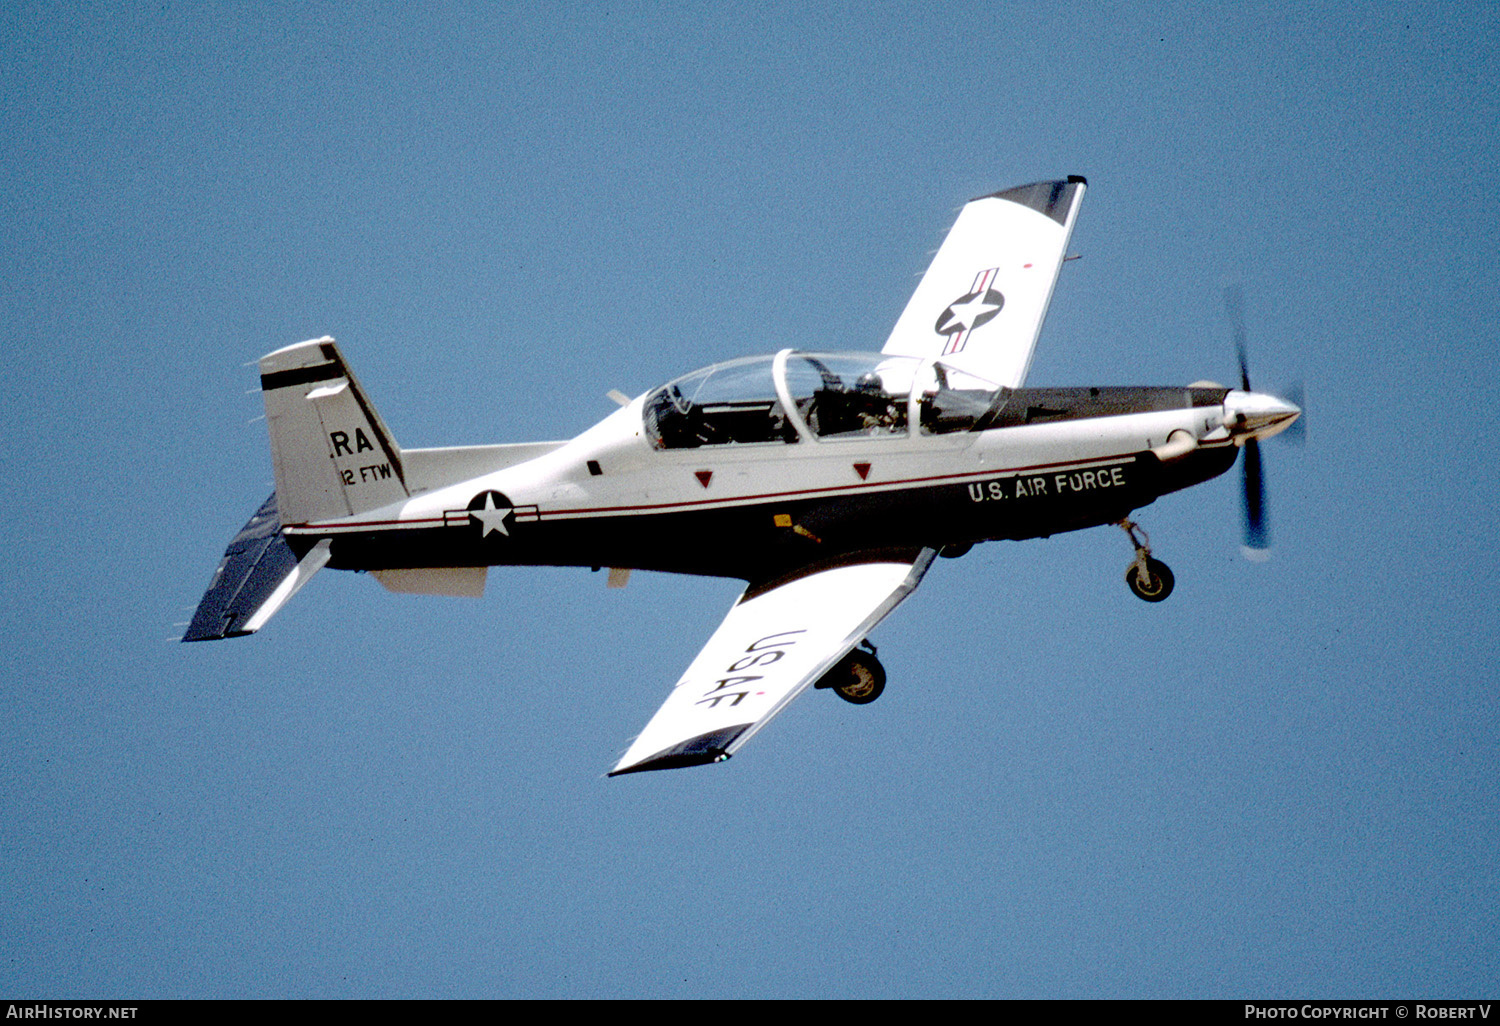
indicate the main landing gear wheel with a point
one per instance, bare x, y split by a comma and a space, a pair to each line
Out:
1149, 578
858, 677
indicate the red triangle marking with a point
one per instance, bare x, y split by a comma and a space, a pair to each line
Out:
704, 476
862, 469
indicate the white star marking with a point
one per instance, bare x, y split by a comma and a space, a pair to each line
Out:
491, 517
965, 314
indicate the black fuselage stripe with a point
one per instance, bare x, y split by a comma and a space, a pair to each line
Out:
755, 499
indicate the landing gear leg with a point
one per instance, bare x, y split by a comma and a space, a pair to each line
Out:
1148, 578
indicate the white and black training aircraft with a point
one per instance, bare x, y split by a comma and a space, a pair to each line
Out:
827, 481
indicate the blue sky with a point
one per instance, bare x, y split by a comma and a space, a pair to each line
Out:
1279, 782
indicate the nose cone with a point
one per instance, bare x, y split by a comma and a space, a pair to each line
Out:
1257, 415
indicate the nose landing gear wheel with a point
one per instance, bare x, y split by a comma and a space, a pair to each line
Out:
1150, 579
858, 678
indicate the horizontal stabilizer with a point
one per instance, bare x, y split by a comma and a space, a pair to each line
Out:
258, 574
460, 581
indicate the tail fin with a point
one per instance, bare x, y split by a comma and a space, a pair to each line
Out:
333, 455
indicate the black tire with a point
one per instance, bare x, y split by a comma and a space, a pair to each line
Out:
858, 678
1158, 582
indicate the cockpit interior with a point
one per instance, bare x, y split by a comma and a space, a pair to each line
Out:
794, 396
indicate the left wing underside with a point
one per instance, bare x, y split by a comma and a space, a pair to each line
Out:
771, 647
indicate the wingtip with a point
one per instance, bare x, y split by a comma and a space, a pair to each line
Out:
1054, 198
697, 751
671, 762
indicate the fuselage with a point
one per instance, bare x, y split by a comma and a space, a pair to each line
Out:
628, 493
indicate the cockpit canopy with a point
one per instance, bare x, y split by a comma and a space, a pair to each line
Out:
794, 396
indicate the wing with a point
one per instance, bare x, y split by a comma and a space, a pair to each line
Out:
981, 303
771, 646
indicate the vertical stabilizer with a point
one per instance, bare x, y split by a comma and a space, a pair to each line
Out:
333, 455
